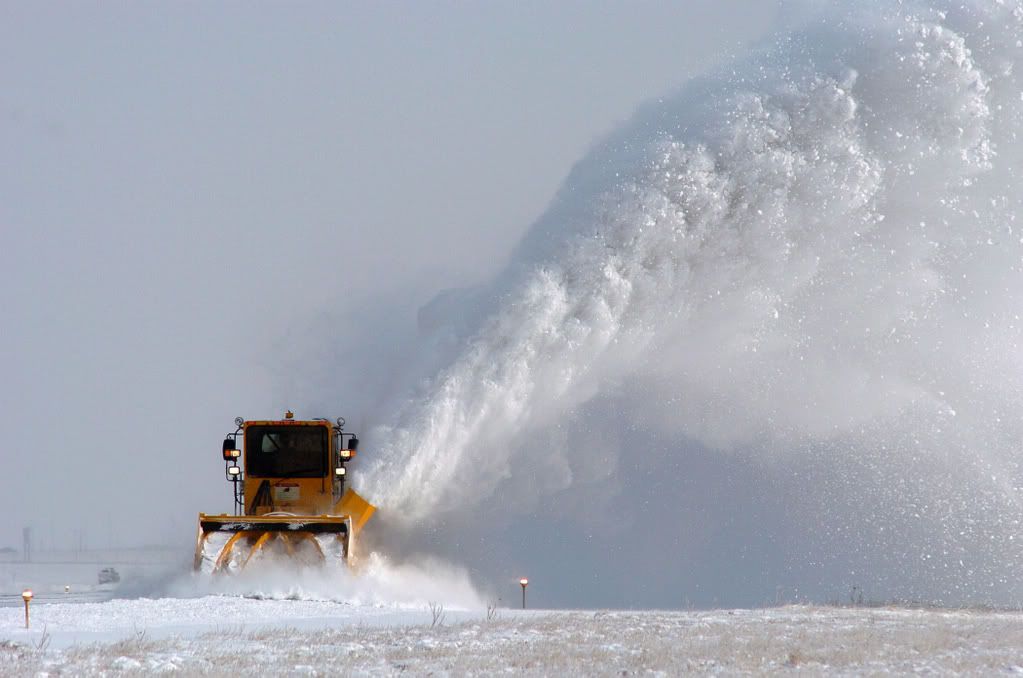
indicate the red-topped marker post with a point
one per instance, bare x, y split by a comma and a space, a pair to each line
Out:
26, 595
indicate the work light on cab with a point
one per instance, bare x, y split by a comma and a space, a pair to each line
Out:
231, 450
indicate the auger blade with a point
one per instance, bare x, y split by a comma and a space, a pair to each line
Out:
231, 543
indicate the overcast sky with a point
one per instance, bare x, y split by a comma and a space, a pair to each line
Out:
187, 188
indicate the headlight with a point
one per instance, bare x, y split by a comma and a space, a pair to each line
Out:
339, 471
233, 470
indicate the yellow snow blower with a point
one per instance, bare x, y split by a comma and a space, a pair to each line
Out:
290, 497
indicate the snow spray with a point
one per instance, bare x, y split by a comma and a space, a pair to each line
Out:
813, 251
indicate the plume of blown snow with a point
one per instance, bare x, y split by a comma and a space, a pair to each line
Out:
813, 252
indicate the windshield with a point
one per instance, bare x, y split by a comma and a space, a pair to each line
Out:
286, 451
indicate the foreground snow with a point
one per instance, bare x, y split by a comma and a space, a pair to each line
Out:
61, 625
223, 635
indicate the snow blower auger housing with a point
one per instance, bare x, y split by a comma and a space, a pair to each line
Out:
291, 498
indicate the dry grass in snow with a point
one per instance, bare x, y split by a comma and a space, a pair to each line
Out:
803, 640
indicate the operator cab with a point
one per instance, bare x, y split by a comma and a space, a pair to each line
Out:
286, 451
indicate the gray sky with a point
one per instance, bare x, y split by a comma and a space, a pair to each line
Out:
188, 187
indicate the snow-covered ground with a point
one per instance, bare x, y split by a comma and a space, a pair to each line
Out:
224, 635
427, 618
62, 625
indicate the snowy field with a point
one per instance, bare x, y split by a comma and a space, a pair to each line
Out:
225, 635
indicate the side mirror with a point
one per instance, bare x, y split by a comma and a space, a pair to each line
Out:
230, 449
353, 443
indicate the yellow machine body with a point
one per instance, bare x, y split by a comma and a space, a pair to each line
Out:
291, 498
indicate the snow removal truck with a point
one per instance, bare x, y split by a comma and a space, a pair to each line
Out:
291, 498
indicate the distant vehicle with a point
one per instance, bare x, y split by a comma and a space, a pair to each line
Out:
109, 575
